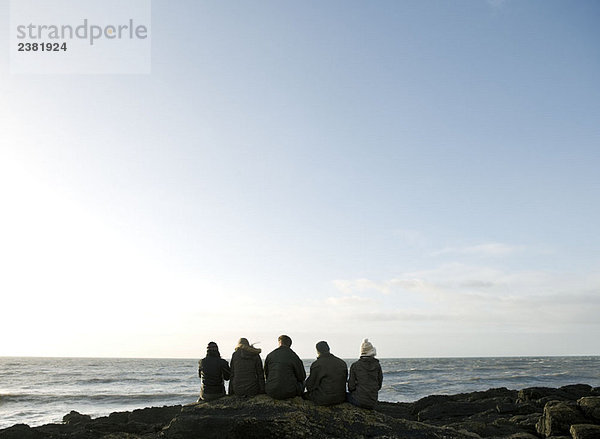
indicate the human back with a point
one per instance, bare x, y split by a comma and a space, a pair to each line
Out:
284, 371
213, 371
366, 378
326, 384
247, 376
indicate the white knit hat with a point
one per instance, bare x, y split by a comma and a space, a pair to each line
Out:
367, 349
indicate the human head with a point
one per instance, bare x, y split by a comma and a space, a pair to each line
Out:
322, 347
284, 340
212, 350
243, 342
367, 349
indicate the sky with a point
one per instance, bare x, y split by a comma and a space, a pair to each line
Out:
421, 173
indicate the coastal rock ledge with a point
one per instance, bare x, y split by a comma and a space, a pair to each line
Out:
567, 412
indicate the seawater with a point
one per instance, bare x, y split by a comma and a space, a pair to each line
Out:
37, 391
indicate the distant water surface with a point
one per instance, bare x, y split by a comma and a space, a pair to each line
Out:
37, 391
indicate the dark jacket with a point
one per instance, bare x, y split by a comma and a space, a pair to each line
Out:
326, 384
284, 373
365, 382
247, 376
212, 371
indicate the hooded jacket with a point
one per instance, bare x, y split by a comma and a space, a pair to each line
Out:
247, 377
284, 373
365, 381
212, 371
326, 384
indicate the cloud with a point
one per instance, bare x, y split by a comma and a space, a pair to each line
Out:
349, 300
484, 296
402, 316
349, 286
490, 249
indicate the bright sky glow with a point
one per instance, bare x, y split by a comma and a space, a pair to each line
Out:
424, 174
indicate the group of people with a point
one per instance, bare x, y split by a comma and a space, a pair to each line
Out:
283, 375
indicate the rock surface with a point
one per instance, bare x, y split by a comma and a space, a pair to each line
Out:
557, 418
567, 412
590, 406
585, 431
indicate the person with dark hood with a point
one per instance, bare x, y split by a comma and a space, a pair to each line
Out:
213, 370
247, 376
284, 371
366, 377
326, 383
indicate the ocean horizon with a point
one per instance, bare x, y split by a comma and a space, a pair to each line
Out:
40, 390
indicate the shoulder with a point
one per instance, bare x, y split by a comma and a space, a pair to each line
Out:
341, 364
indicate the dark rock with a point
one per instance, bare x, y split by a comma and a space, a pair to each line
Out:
520, 436
574, 391
155, 415
506, 407
477, 427
264, 417
500, 392
526, 422
431, 400
585, 431
533, 393
590, 406
527, 408
445, 410
511, 408
20, 431
122, 436
398, 410
543, 395
75, 418
119, 417
452, 409
497, 428
494, 414
558, 417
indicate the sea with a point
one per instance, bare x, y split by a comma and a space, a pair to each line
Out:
38, 391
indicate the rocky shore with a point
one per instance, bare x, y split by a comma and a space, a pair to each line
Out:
567, 412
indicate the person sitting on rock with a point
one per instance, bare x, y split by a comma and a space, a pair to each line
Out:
284, 371
366, 377
247, 376
326, 384
213, 370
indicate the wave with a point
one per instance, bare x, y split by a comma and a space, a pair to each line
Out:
93, 398
109, 380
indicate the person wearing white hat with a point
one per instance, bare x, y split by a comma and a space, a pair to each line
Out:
366, 377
